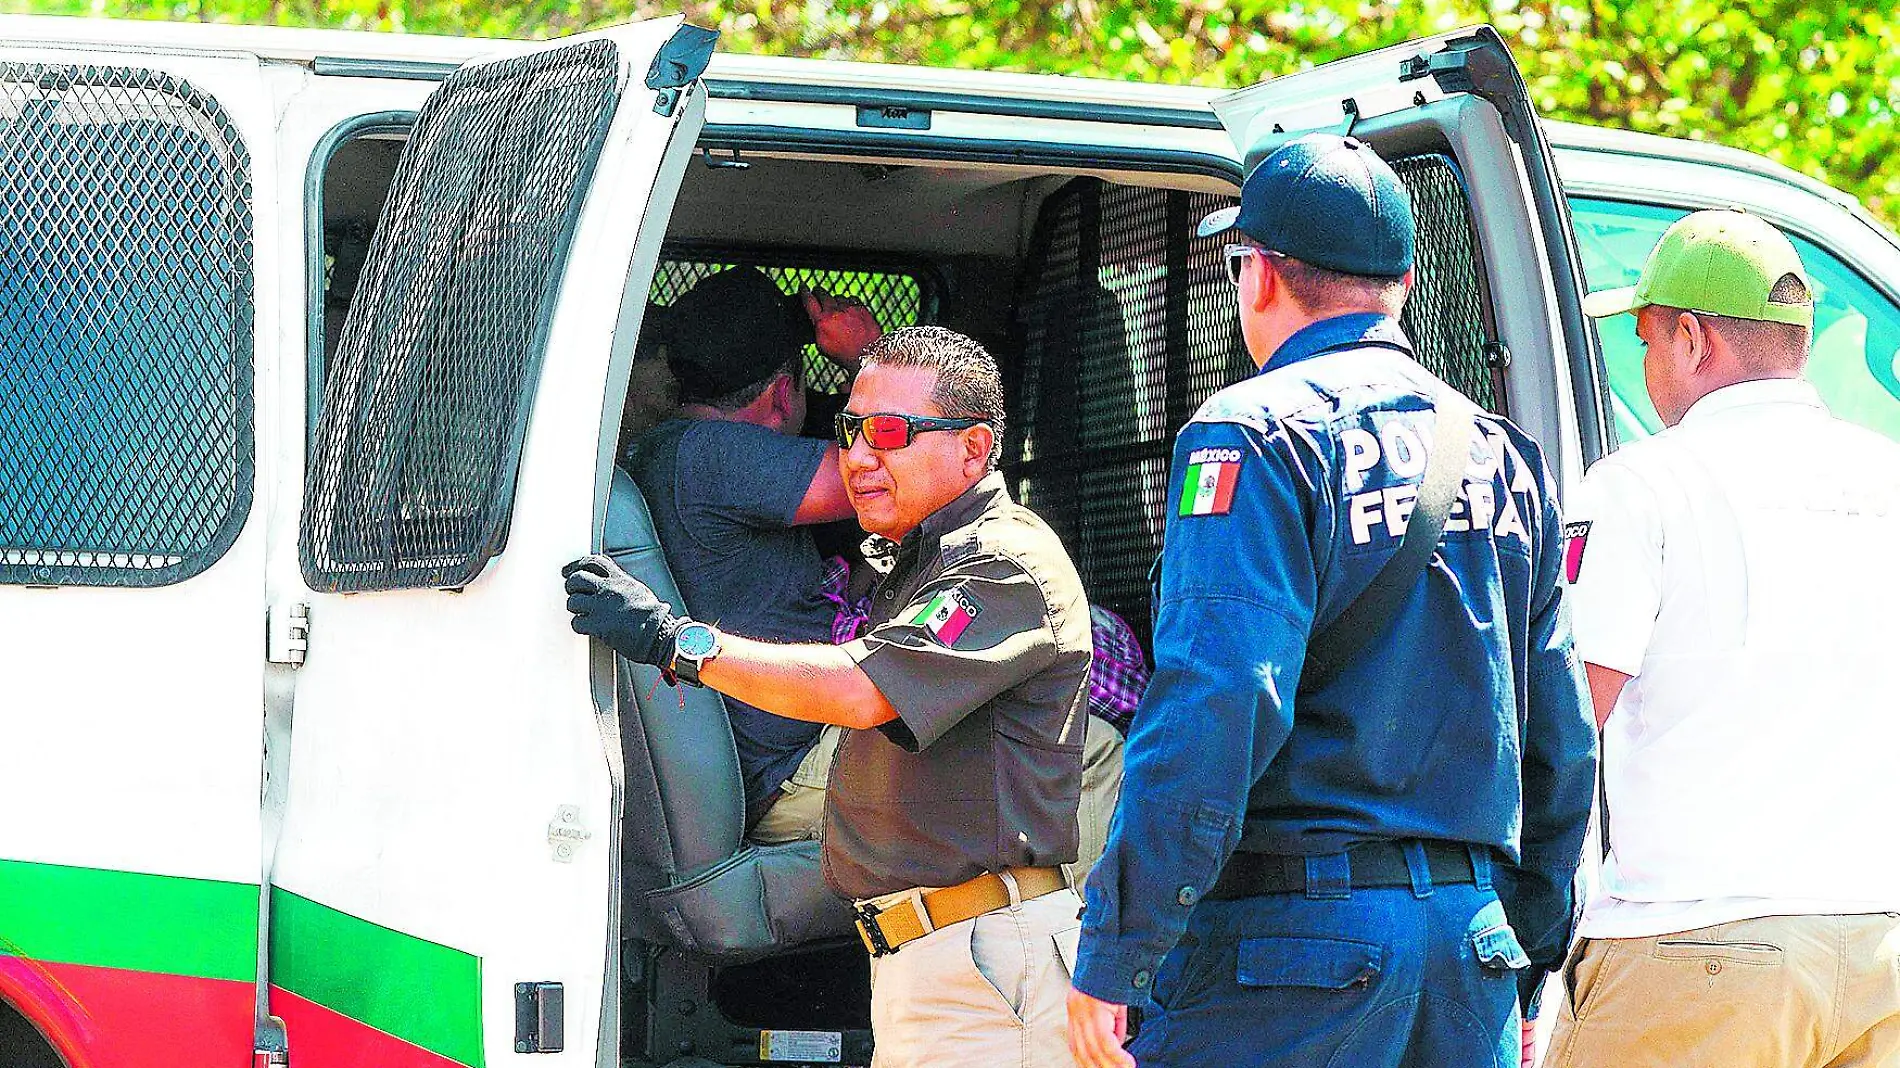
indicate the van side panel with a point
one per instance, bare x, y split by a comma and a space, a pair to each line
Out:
125, 969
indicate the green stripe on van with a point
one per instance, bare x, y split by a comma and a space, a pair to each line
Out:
419, 991
115, 919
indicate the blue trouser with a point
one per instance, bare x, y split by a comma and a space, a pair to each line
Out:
1420, 977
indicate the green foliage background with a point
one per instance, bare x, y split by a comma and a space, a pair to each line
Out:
1812, 85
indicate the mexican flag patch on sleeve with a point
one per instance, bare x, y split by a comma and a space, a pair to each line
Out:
1208, 488
947, 615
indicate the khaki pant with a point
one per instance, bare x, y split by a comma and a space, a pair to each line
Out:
800, 810
1776, 992
798, 814
991, 992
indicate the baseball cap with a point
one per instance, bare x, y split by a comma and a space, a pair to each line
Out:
1329, 201
1721, 262
731, 330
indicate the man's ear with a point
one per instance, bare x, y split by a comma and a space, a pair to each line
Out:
782, 388
1267, 281
1698, 351
977, 443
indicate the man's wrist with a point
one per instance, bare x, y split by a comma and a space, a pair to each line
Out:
694, 645
1116, 974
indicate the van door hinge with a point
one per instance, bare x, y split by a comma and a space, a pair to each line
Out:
287, 634
679, 63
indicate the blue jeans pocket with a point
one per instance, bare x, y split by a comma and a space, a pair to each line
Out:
1320, 963
1497, 950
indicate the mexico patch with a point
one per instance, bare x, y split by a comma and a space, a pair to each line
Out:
1575, 535
1208, 487
947, 615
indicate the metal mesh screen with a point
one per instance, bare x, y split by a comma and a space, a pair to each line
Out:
125, 327
427, 398
898, 297
1445, 316
1127, 325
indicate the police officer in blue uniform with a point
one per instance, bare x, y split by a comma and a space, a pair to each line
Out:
1356, 790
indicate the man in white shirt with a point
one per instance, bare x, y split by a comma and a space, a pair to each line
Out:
1736, 601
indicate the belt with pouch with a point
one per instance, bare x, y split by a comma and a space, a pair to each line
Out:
884, 928
1372, 865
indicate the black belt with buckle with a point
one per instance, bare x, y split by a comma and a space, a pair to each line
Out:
1373, 864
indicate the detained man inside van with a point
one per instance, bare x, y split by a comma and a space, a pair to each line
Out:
736, 495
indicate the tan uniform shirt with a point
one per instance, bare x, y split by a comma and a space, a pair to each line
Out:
980, 640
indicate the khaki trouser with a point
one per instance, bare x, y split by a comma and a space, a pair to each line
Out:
991, 992
1776, 992
798, 814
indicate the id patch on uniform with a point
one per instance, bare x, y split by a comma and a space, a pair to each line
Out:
1208, 487
947, 615
1575, 536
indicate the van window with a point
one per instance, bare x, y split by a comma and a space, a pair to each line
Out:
427, 398
1855, 363
125, 327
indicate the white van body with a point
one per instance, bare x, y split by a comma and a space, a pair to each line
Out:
267, 795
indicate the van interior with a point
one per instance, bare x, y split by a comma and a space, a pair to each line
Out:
1111, 322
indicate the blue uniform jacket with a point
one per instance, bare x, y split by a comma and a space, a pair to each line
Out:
1466, 720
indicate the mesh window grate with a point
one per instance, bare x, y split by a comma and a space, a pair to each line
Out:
1446, 314
897, 297
125, 327
1127, 324
427, 398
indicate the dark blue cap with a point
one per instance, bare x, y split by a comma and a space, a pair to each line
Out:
1329, 201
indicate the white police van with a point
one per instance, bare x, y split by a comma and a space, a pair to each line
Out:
315, 351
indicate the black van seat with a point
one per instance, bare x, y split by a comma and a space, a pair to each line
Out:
691, 880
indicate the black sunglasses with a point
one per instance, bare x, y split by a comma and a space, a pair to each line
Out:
1238, 255
890, 430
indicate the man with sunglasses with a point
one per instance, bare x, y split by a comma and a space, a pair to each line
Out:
952, 803
736, 492
1356, 791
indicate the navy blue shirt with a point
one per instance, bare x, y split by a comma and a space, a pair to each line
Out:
1466, 720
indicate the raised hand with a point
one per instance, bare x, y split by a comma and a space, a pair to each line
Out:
844, 326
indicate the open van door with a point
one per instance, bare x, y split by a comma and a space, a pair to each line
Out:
444, 885
1497, 309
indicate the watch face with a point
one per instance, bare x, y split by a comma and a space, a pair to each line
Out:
695, 641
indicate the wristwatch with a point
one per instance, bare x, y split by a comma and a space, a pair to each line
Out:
695, 644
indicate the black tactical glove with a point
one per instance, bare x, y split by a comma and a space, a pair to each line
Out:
620, 610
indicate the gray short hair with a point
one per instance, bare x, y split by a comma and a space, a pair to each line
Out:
968, 384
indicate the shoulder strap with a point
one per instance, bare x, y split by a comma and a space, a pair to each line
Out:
1330, 650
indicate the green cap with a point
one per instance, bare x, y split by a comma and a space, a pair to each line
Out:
1718, 262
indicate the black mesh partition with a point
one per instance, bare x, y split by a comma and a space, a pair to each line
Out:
1447, 316
427, 398
126, 346
1126, 324
899, 296
1125, 327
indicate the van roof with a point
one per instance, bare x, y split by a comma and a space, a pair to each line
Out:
308, 46
358, 46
